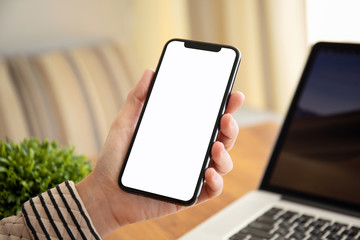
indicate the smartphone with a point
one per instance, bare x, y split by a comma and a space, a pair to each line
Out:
179, 122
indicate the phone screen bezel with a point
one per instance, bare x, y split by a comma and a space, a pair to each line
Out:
195, 45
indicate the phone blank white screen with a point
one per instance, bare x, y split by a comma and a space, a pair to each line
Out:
171, 143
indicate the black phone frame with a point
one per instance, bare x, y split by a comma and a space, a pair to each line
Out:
201, 46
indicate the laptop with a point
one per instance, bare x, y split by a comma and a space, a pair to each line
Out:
311, 186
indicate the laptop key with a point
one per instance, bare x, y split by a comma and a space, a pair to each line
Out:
254, 238
281, 238
334, 228
256, 233
344, 233
238, 236
333, 236
349, 238
288, 215
319, 223
301, 228
285, 224
303, 219
265, 219
260, 226
272, 212
353, 231
317, 232
297, 235
282, 231
314, 238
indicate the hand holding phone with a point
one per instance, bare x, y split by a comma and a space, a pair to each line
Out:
100, 192
170, 149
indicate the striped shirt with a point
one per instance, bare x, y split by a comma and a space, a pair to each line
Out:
57, 213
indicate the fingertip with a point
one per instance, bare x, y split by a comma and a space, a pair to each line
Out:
221, 159
149, 71
235, 101
227, 120
214, 182
217, 150
229, 130
213, 185
147, 75
242, 95
139, 92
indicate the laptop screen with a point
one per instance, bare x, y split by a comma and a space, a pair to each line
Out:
317, 155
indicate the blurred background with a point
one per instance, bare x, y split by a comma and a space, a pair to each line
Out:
274, 37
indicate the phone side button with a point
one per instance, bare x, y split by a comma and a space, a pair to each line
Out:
207, 163
216, 134
200, 187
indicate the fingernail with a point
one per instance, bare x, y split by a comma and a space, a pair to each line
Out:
243, 95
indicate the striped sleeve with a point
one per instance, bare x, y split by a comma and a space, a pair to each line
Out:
14, 227
58, 214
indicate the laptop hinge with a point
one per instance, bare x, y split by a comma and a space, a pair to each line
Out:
321, 205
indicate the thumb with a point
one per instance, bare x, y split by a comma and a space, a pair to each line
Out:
131, 109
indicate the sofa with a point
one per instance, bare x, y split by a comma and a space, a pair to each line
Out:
69, 94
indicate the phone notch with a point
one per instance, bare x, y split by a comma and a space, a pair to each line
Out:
202, 46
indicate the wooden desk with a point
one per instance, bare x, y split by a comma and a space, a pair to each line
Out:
250, 155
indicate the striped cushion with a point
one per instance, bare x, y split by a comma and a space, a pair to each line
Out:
70, 95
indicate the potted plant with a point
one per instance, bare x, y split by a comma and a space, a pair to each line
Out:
31, 167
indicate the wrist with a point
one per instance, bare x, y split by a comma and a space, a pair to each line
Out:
97, 205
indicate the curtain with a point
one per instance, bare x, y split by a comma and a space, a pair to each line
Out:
270, 34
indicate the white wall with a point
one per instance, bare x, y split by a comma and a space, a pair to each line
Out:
333, 20
37, 24
142, 26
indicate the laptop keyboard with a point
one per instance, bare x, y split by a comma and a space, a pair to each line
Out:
278, 224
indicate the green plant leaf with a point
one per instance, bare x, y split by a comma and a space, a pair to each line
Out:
31, 167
